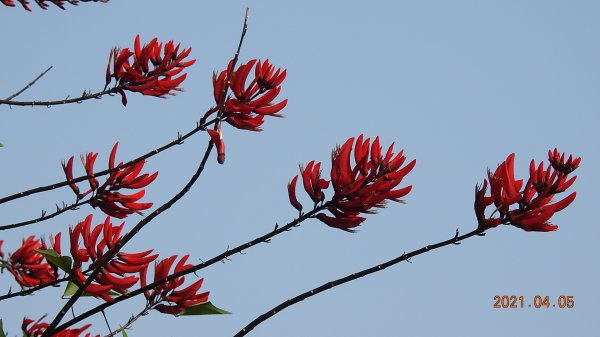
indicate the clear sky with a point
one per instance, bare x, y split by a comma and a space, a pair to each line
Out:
458, 84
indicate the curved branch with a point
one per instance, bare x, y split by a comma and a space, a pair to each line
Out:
332, 284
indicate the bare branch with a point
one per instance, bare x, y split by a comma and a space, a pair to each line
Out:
28, 85
332, 284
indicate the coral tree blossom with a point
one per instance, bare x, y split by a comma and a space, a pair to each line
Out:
29, 267
167, 298
38, 328
120, 272
250, 102
107, 196
152, 71
42, 3
359, 187
532, 202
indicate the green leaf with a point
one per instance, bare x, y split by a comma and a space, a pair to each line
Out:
122, 331
1, 330
205, 308
62, 262
71, 289
1, 146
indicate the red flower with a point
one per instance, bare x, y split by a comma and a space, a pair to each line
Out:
41, 3
251, 103
292, 194
533, 201
116, 275
177, 299
217, 137
138, 75
312, 181
38, 328
557, 160
106, 196
359, 188
29, 267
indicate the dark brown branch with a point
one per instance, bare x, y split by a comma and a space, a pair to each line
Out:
114, 250
59, 210
218, 258
332, 284
85, 96
30, 291
180, 139
233, 63
28, 85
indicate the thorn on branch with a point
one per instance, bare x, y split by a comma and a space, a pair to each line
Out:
456, 242
403, 257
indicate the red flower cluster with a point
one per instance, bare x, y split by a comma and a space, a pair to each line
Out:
357, 189
251, 103
41, 3
106, 196
117, 275
137, 75
533, 202
38, 328
29, 267
178, 299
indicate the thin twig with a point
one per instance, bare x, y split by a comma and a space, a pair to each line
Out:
130, 322
45, 217
106, 321
28, 85
114, 250
85, 96
332, 284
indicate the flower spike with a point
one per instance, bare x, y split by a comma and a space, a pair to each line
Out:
251, 102
528, 207
358, 187
152, 70
107, 196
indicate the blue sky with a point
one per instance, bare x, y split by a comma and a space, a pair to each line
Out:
459, 85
